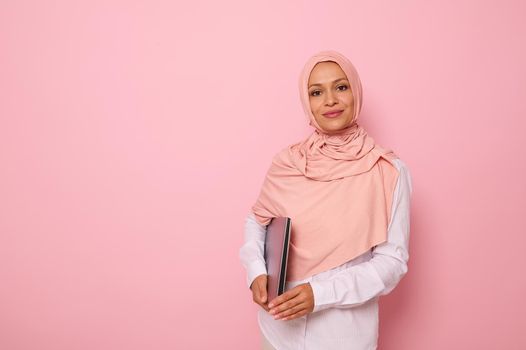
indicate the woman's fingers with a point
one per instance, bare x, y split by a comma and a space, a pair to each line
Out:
285, 297
294, 303
263, 291
263, 295
259, 291
291, 311
287, 300
288, 305
300, 313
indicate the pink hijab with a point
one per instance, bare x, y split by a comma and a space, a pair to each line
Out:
336, 188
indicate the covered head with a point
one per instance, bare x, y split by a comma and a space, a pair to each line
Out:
351, 74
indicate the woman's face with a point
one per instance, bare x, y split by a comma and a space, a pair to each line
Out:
330, 91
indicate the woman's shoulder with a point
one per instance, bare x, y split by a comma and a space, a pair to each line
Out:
405, 173
284, 156
400, 164
391, 159
388, 156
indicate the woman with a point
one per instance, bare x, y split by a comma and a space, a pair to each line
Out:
348, 199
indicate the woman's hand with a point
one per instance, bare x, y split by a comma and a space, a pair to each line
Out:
259, 291
294, 303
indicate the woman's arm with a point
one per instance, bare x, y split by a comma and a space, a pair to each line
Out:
361, 282
251, 253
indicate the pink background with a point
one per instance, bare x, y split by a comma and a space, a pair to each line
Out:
134, 137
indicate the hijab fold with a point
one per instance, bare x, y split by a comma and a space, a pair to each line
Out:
337, 188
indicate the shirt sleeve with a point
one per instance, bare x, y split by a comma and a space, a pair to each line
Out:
364, 281
252, 250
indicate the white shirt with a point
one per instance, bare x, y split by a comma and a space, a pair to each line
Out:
345, 314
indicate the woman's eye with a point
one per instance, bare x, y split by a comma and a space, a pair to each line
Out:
342, 86
314, 93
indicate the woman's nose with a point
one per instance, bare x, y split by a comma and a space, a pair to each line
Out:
330, 98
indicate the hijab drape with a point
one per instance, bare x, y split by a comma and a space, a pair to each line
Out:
337, 188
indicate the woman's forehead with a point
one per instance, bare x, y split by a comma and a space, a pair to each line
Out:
325, 68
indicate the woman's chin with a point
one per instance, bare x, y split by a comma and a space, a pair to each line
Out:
334, 127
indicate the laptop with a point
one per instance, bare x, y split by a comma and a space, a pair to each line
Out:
277, 240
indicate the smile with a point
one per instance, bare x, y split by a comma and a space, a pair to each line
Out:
333, 114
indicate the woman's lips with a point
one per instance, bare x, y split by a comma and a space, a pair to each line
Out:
333, 114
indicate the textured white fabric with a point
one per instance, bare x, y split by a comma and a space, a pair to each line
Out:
345, 312
265, 345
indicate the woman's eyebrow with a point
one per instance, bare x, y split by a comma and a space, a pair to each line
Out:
335, 81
